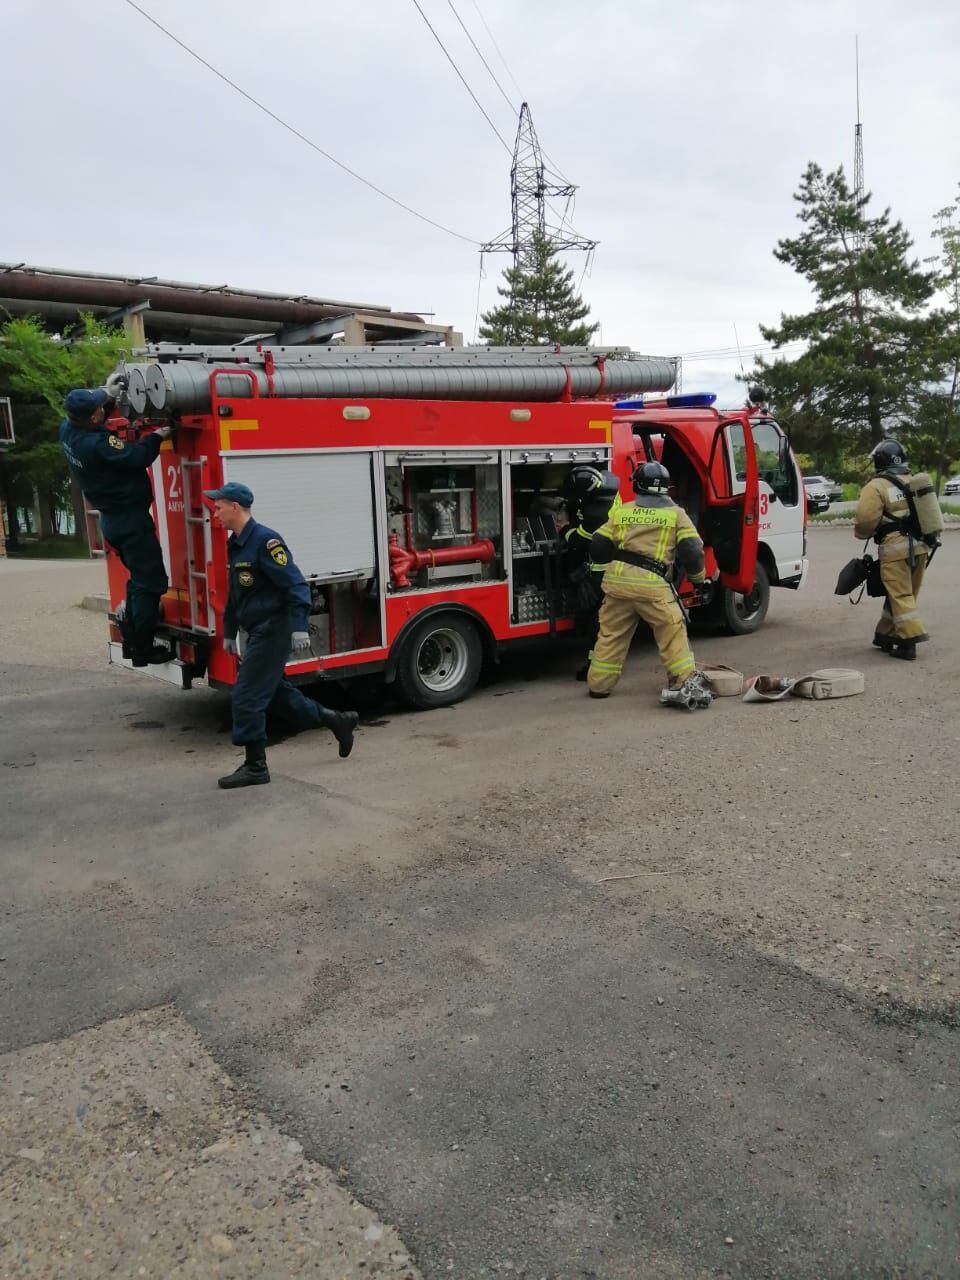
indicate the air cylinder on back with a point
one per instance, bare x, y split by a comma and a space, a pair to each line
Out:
925, 500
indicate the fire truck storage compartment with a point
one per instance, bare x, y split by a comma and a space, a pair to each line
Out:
322, 505
540, 588
444, 503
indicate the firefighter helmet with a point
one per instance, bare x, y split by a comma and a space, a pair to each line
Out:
650, 477
888, 453
581, 481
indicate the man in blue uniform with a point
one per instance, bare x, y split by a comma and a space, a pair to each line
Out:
113, 477
270, 601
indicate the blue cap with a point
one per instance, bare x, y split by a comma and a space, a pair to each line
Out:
232, 492
82, 404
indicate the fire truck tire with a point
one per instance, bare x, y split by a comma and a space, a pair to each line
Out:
440, 661
744, 614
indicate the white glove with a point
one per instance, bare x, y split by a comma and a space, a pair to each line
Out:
230, 646
164, 432
115, 385
299, 641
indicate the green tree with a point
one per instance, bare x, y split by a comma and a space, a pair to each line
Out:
541, 305
37, 370
936, 443
870, 339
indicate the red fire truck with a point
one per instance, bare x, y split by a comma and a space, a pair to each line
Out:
415, 489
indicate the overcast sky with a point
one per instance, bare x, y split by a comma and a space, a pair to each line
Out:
685, 123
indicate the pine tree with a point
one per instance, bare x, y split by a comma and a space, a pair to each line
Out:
541, 305
870, 340
937, 441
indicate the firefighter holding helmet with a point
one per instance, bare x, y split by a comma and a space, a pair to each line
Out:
885, 512
640, 543
270, 601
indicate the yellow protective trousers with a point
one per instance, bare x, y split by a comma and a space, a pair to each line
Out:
619, 616
900, 617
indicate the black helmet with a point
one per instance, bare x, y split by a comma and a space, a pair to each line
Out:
888, 453
581, 480
650, 477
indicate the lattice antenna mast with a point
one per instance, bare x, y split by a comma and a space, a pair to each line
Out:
530, 189
858, 183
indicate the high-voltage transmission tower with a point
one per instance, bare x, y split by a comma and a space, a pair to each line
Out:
530, 189
858, 186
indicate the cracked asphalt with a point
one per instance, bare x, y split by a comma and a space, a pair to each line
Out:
555, 988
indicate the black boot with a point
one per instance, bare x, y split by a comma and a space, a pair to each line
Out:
341, 724
252, 773
884, 642
905, 649
155, 653
582, 672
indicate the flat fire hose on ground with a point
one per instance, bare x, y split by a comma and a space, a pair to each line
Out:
827, 683
723, 681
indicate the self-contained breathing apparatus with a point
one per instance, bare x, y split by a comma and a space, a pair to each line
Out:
923, 524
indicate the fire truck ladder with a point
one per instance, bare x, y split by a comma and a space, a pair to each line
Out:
199, 546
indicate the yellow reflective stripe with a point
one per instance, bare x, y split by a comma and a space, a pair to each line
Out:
680, 665
684, 532
662, 543
611, 668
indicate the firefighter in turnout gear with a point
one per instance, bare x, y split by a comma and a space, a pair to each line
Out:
640, 543
883, 513
112, 474
270, 601
589, 494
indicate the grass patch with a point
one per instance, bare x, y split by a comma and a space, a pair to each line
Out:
50, 549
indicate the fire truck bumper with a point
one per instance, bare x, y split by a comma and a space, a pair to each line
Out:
175, 672
794, 580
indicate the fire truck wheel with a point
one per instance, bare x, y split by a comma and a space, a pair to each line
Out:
440, 661
744, 614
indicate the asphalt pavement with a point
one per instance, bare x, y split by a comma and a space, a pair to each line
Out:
555, 988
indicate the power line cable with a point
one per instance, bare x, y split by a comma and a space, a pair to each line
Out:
461, 77
439, 226
497, 47
503, 92
551, 165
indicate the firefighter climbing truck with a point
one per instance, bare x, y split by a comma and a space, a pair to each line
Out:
416, 488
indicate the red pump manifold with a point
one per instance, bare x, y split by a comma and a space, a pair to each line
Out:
403, 560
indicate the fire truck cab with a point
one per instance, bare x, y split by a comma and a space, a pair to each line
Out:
427, 528
707, 453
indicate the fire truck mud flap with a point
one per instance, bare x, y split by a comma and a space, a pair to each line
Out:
174, 672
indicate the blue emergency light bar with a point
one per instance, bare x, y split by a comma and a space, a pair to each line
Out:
696, 400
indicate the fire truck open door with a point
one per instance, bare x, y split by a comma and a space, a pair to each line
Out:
731, 516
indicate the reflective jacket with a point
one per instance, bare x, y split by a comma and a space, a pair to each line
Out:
111, 473
882, 503
654, 527
264, 581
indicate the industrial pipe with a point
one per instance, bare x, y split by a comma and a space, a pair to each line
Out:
402, 560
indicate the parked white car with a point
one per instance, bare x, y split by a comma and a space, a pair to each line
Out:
952, 487
817, 499
830, 487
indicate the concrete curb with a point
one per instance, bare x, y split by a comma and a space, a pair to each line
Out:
96, 604
950, 526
